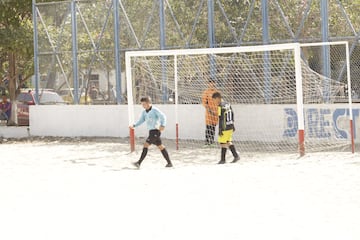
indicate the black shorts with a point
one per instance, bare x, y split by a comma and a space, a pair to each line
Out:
154, 137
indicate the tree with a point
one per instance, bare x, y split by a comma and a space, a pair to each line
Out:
16, 45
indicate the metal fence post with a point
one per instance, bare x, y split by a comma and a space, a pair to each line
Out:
163, 46
325, 49
211, 38
117, 51
267, 60
75, 51
36, 51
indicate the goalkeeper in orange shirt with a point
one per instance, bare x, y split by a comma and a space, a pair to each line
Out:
211, 117
226, 128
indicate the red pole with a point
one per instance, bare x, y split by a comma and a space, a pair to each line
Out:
352, 136
301, 143
132, 139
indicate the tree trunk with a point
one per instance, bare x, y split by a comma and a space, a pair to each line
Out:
12, 87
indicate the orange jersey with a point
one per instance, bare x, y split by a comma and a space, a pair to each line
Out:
211, 110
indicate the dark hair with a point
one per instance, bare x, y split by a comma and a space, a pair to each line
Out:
211, 81
216, 95
146, 99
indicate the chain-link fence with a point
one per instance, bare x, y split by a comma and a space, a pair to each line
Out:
95, 51
84, 32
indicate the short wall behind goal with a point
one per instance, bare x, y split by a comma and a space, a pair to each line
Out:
79, 120
253, 122
110, 121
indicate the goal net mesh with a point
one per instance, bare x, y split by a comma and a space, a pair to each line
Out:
260, 85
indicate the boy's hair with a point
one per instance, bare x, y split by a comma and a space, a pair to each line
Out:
216, 95
146, 99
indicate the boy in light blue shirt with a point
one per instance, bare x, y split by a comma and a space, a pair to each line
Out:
155, 122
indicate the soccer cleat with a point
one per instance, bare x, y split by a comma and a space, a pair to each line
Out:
169, 165
235, 159
221, 162
136, 164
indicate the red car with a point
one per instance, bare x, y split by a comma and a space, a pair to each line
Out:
27, 98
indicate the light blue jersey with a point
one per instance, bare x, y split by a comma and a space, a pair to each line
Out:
154, 118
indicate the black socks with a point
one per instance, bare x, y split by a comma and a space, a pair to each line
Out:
143, 155
145, 151
233, 151
223, 154
166, 155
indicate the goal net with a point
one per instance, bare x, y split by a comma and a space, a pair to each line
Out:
282, 100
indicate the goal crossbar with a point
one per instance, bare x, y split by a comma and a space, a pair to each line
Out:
224, 50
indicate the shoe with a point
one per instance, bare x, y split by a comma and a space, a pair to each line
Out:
169, 165
235, 159
221, 162
136, 164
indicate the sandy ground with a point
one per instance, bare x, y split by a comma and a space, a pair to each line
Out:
54, 190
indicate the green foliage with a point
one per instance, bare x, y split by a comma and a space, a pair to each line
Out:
16, 42
16, 27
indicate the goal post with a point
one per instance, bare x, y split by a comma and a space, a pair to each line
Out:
339, 72
299, 100
277, 97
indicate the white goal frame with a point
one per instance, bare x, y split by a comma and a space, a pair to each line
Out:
296, 47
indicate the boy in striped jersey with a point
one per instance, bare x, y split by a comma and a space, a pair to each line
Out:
226, 128
155, 121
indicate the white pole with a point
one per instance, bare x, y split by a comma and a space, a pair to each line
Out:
176, 102
130, 99
231, 50
129, 89
350, 97
299, 99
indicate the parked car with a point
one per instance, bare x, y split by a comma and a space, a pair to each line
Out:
27, 98
67, 95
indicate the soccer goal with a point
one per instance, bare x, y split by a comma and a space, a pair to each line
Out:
282, 97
